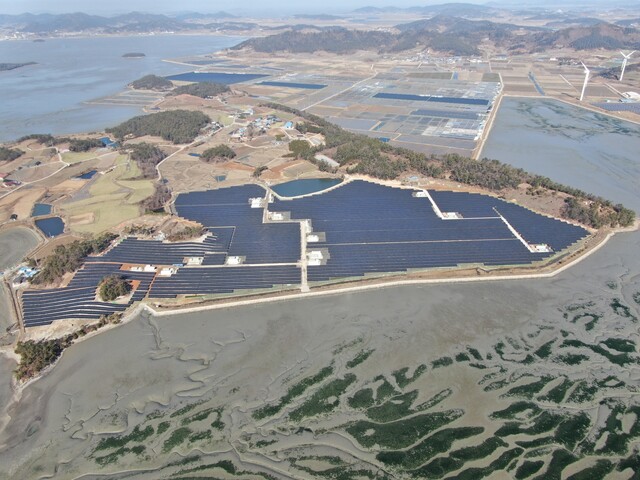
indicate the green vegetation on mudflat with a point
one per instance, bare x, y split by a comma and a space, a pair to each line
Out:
394, 408
560, 459
361, 357
442, 362
557, 393
544, 422
528, 468
385, 390
516, 409
621, 359
573, 430
621, 309
119, 441
401, 433
325, 399
583, 392
340, 471
572, 358
177, 437
596, 472
177, 126
424, 451
592, 318
621, 344
499, 463
294, 391
528, 390
441, 466
186, 409
545, 350
115, 455
198, 416
363, 398
163, 427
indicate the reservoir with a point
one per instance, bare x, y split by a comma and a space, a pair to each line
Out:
40, 209
51, 227
304, 186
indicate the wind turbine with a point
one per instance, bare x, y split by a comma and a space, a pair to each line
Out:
586, 80
624, 62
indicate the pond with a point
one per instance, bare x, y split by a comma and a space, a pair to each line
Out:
51, 227
87, 175
40, 209
304, 186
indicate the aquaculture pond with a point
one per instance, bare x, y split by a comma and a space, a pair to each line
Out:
51, 227
215, 77
40, 209
305, 186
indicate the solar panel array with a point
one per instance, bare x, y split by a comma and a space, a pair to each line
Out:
368, 228
259, 242
78, 299
384, 229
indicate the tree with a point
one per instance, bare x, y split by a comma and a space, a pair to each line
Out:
218, 153
112, 287
147, 156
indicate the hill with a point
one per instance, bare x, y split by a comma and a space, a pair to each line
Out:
201, 89
602, 35
177, 126
151, 82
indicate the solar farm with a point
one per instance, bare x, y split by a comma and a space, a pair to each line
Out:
257, 242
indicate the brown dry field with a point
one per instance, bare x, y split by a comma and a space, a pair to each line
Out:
20, 202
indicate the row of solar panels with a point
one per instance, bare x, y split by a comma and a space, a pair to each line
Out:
224, 280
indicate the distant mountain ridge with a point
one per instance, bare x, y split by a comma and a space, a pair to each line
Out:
45, 23
449, 34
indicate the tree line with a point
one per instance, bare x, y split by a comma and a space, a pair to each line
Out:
68, 258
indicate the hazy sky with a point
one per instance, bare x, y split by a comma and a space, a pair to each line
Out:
163, 6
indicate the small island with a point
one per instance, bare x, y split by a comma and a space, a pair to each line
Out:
4, 67
134, 55
152, 82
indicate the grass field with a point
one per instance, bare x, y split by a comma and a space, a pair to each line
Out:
75, 157
113, 199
